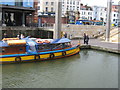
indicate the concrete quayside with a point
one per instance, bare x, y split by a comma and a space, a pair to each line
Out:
96, 44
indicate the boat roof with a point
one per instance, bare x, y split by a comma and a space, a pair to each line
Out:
3, 44
30, 42
62, 40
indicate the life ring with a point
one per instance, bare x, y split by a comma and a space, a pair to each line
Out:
63, 53
46, 41
18, 59
37, 57
52, 55
39, 41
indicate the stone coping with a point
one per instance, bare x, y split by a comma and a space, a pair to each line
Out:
95, 47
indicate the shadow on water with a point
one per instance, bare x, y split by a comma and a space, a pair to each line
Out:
88, 69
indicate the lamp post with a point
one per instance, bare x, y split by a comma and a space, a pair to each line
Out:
109, 4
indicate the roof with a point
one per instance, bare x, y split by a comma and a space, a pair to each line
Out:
3, 44
11, 7
62, 40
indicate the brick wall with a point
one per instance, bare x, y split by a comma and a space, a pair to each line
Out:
51, 20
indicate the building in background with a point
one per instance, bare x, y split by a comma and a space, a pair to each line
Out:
47, 7
115, 15
14, 13
86, 12
100, 13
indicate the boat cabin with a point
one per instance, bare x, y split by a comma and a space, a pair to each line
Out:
28, 45
40, 45
12, 47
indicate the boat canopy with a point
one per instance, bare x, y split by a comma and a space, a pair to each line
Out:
62, 40
3, 44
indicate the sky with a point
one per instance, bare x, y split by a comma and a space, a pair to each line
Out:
98, 2
11, 2
88, 2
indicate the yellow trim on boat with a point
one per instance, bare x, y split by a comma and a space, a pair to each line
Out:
58, 54
45, 56
8, 59
27, 57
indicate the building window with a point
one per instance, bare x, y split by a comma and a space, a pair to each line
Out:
77, 8
84, 13
73, 7
73, 2
46, 9
46, 3
88, 13
113, 19
39, 1
114, 15
52, 9
52, 3
91, 13
67, 7
77, 3
101, 14
70, 1
70, 7
90, 18
116, 7
38, 7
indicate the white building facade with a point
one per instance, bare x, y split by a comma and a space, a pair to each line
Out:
99, 13
86, 12
46, 6
49, 6
115, 15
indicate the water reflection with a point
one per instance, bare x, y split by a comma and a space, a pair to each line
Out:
85, 54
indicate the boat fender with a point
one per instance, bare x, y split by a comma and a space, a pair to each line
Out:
37, 57
52, 55
64, 53
18, 59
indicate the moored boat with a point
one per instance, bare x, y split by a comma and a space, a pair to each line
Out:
27, 50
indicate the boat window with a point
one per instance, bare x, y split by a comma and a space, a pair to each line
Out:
60, 45
66, 45
44, 47
3, 50
32, 48
21, 49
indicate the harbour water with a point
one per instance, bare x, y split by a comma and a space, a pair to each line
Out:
88, 69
